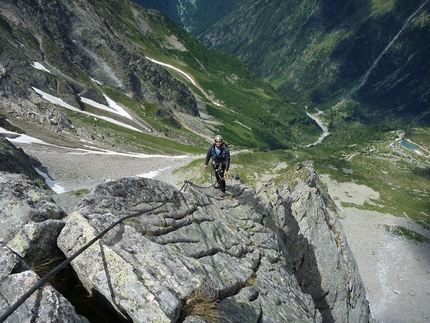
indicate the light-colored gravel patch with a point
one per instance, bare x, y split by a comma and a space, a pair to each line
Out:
74, 170
350, 192
395, 270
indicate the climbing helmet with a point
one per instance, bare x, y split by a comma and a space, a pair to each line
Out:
218, 138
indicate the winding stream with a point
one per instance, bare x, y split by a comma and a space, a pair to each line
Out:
322, 126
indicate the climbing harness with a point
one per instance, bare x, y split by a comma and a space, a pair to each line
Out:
218, 169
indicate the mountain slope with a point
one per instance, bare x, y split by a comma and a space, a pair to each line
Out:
369, 55
138, 75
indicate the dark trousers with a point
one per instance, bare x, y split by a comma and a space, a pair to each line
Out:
219, 175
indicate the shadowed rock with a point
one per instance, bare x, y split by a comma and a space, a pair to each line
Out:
321, 258
45, 305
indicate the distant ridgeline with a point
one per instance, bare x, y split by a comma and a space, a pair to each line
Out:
367, 59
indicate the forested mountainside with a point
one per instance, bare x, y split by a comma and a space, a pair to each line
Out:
361, 60
149, 84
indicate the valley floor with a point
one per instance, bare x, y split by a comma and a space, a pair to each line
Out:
395, 271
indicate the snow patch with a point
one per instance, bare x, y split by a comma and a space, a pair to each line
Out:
57, 188
39, 66
60, 102
174, 68
113, 107
116, 107
153, 173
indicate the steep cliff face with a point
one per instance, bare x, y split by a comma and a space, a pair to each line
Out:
321, 258
275, 255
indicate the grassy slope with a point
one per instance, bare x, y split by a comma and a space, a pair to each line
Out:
399, 175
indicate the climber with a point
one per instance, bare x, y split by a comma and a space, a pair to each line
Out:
220, 155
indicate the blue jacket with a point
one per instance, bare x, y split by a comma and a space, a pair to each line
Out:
222, 158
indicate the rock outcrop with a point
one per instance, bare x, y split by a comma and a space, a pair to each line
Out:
321, 258
271, 255
30, 222
26, 203
149, 266
46, 305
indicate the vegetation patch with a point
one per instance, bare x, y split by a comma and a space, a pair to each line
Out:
203, 302
80, 193
43, 266
400, 176
409, 234
380, 7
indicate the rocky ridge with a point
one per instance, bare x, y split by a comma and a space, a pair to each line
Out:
270, 255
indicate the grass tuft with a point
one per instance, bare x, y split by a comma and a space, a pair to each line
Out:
80, 193
203, 302
43, 266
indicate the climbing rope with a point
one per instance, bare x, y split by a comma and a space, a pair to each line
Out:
54, 271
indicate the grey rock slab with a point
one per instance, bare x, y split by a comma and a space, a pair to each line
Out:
322, 260
173, 243
46, 305
22, 201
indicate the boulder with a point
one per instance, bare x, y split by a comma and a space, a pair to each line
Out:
174, 243
24, 196
22, 201
44, 306
15, 161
